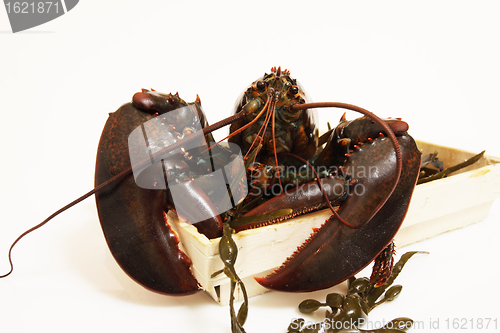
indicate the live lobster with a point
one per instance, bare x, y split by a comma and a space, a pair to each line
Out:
273, 126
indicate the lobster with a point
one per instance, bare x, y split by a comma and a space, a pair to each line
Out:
364, 170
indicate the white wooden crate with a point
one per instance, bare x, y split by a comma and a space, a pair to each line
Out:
436, 207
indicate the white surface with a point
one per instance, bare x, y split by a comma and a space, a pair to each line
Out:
434, 64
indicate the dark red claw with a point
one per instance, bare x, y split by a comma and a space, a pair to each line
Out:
305, 197
132, 218
354, 132
337, 252
398, 126
308, 194
362, 128
199, 207
143, 100
154, 102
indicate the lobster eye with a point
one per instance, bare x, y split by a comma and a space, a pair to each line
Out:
261, 85
293, 90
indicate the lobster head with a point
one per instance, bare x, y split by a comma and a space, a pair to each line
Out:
272, 120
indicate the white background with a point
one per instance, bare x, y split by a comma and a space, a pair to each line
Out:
435, 64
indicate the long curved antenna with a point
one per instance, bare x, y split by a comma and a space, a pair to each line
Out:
375, 118
241, 128
123, 174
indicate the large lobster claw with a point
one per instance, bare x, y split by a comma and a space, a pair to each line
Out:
337, 251
133, 219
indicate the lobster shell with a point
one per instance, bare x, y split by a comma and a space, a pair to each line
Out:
133, 219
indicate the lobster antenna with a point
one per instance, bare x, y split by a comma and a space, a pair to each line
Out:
273, 124
261, 129
375, 118
244, 127
122, 175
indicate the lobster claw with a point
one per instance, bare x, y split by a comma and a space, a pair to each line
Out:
201, 207
133, 219
337, 251
305, 198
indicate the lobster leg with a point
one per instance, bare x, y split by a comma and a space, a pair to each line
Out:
133, 219
382, 267
322, 261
